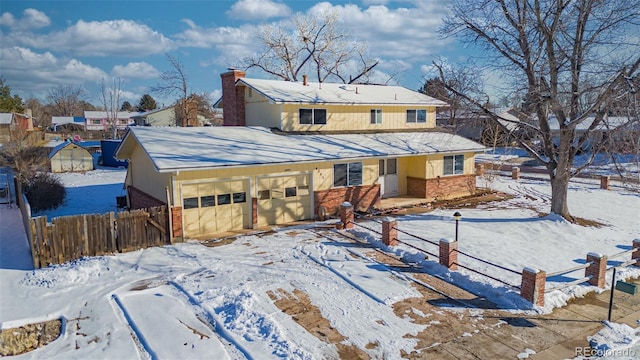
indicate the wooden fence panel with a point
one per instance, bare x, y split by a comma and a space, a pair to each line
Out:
72, 237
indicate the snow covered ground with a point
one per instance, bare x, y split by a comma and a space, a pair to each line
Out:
190, 300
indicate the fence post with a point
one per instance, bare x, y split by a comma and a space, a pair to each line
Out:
449, 253
604, 182
389, 231
346, 215
597, 270
479, 169
532, 286
636, 253
515, 173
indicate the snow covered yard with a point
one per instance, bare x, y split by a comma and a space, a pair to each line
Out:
251, 297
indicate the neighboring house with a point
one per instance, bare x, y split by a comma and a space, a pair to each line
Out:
70, 157
158, 117
613, 129
306, 148
61, 121
99, 120
478, 126
13, 122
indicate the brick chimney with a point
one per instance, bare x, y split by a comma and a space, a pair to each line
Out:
304, 80
233, 107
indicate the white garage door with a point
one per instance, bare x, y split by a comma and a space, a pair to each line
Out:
283, 199
215, 207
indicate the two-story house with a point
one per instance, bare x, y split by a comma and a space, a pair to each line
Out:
100, 120
294, 151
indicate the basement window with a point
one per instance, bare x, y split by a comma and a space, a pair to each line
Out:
349, 174
453, 165
416, 116
313, 116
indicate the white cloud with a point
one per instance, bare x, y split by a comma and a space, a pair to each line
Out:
140, 70
258, 10
101, 38
232, 43
32, 19
35, 73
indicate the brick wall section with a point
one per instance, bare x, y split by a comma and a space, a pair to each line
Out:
346, 216
389, 232
636, 253
597, 270
515, 173
441, 188
139, 199
254, 212
448, 253
532, 286
362, 198
176, 221
604, 182
233, 106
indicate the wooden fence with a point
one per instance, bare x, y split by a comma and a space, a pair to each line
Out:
71, 237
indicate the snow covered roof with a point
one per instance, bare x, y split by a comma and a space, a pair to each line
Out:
192, 148
613, 122
103, 114
5, 118
63, 145
280, 92
146, 113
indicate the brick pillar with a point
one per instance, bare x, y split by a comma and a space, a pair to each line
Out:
176, 221
604, 182
515, 173
597, 270
389, 231
636, 252
346, 215
449, 253
254, 212
532, 286
479, 169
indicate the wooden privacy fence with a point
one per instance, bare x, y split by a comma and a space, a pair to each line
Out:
71, 237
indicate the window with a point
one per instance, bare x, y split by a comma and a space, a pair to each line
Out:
264, 195
376, 116
416, 116
190, 203
239, 197
207, 201
290, 192
96, 122
122, 121
392, 166
380, 167
313, 116
224, 199
347, 174
454, 165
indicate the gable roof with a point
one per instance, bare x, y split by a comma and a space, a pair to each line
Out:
178, 148
63, 145
282, 92
147, 113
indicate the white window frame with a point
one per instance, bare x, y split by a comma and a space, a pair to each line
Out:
415, 119
347, 174
376, 116
453, 161
313, 116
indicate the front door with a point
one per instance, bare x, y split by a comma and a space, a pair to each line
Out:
388, 177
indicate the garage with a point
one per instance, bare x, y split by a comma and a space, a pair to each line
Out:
283, 199
215, 207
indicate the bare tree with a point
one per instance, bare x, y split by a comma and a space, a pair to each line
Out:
315, 45
66, 100
110, 98
569, 56
174, 82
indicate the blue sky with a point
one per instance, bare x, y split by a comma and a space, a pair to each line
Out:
48, 43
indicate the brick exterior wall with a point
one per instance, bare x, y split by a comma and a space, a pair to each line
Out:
176, 221
254, 212
362, 198
441, 188
532, 286
139, 199
597, 270
233, 105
